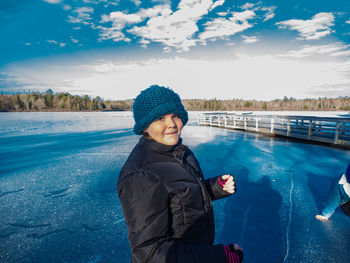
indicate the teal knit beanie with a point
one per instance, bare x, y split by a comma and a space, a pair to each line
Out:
153, 103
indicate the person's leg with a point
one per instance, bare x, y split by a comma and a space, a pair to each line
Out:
346, 208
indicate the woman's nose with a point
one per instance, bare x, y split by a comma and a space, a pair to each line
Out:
170, 122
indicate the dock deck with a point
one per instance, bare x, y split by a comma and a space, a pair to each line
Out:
330, 130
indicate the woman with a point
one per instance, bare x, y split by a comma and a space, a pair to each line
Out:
338, 195
166, 201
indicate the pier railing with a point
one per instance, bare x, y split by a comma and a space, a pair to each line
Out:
330, 130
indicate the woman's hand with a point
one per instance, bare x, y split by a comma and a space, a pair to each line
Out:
321, 218
229, 185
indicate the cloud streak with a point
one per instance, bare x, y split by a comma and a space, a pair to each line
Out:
332, 49
222, 27
250, 40
53, 1
317, 27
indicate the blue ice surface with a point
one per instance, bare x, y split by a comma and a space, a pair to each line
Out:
58, 199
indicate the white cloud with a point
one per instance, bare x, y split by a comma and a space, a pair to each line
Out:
94, 1
178, 29
222, 13
111, 33
175, 29
74, 20
74, 40
270, 12
343, 53
250, 40
119, 20
332, 49
67, 7
82, 15
247, 6
54, 42
317, 27
136, 2
222, 27
84, 12
216, 4
53, 1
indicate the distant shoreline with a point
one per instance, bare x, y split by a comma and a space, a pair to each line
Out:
64, 102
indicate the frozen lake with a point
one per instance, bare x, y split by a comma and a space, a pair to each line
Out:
58, 199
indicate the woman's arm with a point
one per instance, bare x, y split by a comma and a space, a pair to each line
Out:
145, 203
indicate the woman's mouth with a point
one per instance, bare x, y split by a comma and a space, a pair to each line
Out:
170, 133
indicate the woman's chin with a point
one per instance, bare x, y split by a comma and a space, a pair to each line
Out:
171, 139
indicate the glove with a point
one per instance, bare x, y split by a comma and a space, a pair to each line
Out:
233, 255
227, 183
221, 181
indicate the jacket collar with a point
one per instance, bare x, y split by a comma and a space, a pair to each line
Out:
178, 149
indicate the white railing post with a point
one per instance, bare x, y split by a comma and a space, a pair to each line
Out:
310, 130
336, 135
256, 123
245, 123
272, 121
288, 127
225, 118
234, 121
210, 121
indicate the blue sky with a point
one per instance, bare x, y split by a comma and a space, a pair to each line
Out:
202, 49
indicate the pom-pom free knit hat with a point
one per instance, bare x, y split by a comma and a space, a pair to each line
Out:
153, 103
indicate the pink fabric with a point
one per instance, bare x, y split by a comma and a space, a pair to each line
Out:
227, 252
232, 257
221, 181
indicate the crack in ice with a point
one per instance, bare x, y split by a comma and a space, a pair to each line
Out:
291, 171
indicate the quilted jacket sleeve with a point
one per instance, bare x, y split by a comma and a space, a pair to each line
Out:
145, 203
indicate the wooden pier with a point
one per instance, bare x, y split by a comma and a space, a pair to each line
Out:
330, 130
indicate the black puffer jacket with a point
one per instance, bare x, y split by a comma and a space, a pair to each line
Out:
167, 205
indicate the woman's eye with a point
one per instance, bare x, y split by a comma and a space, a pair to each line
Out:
160, 119
176, 116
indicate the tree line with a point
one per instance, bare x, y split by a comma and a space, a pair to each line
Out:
285, 104
50, 101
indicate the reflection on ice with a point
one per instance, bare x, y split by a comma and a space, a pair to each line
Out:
194, 135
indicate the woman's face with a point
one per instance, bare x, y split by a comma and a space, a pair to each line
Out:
166, 129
